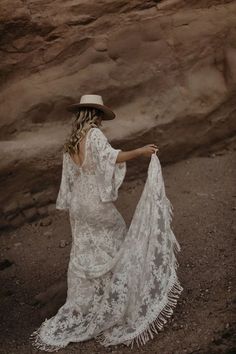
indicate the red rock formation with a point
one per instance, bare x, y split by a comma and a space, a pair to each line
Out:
168, 69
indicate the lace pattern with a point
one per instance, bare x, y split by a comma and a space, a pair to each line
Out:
122, 281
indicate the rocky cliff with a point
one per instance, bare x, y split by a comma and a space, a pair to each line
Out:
167, 68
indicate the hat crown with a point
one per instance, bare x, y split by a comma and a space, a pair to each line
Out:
97, 99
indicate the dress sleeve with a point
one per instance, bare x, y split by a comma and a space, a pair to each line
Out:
109, 174
64, 194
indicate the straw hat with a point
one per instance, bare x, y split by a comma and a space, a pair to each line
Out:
93, 101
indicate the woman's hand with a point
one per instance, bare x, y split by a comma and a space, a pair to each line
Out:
148, 150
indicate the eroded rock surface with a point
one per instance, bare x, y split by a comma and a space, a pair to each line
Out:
167, 68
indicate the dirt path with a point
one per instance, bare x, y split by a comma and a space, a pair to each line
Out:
203, 193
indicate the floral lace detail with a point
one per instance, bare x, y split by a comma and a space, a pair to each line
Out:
122, 282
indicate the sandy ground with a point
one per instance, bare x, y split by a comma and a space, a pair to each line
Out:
203, 193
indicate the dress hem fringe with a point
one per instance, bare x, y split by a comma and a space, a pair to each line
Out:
154, 325
158, 321
39, 344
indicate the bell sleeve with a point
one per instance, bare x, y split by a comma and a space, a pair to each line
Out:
64, 194
109, 174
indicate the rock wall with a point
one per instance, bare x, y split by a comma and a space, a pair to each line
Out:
167, 68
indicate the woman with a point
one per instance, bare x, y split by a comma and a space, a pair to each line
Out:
121, 281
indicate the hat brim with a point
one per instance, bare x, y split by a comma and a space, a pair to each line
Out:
108, 113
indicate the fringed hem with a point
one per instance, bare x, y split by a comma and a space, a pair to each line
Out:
147, 334
157, 324
39, 344
172, 297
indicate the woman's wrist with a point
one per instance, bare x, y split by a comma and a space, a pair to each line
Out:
138, 152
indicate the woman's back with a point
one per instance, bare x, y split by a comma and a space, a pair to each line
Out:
84, 162
99, 176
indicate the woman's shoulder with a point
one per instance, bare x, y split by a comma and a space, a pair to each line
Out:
96, 129
97, 132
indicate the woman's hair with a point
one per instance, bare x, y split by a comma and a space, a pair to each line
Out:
83, 119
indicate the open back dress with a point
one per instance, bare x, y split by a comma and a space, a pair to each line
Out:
121, 281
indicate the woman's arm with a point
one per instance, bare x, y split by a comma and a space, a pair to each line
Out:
146, 150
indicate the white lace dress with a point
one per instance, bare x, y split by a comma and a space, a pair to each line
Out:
122, 282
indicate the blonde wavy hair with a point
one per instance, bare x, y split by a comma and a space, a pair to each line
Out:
82, 120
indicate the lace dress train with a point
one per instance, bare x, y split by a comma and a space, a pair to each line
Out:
122, 281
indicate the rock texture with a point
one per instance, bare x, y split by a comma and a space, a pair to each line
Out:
167, 68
